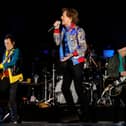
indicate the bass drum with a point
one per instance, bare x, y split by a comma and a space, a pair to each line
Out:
59, 95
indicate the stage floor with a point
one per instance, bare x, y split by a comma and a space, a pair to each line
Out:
64, 124
59, 115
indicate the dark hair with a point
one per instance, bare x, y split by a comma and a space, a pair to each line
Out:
72, 13
120, 45
11, 37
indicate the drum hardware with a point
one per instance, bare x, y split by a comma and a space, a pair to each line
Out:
33, 98
49, 94
105, 75
90, 86
105, 98
117, 85
36, 77
53, 85
45, 76
91, 59
93, 88
43, 102
112, 90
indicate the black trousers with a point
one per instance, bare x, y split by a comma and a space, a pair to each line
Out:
8, 97
75, 73
13, 101
4, 96
117, 103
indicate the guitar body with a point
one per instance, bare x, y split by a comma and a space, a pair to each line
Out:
4, 74
114, 85
1, 75
12, 78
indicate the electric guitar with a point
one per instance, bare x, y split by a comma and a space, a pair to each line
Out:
8, 73
4, 74
12, 78
115, 87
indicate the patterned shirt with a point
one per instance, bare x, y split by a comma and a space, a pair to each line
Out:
71, 40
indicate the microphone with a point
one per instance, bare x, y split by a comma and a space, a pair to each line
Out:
50, 29
55, 25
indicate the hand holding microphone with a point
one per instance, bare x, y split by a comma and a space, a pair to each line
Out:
57, 24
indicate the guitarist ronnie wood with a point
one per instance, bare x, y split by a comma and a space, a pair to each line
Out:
10, 76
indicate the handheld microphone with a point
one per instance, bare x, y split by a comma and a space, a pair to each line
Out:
57, 23
50, 29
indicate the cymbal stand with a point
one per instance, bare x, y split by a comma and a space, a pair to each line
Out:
92, 89
51, 92
46, 101
45, 87
92, 83
53, 85
91, 59
45, 98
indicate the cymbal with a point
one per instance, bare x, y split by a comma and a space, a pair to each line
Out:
43, 105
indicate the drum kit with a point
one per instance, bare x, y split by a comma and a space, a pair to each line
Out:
93, 83
52, 87
51, 90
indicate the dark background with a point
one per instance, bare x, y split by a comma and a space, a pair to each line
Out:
103, 22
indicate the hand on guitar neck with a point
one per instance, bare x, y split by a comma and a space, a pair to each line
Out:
4, 74
120, 81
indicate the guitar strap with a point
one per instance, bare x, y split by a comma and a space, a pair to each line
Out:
7, 56
12, 78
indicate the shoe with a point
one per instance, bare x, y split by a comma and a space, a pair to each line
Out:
122, 123
6, 116
84, 117
14, 122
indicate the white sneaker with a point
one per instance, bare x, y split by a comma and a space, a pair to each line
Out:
5, 117
15, 122
121, 123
